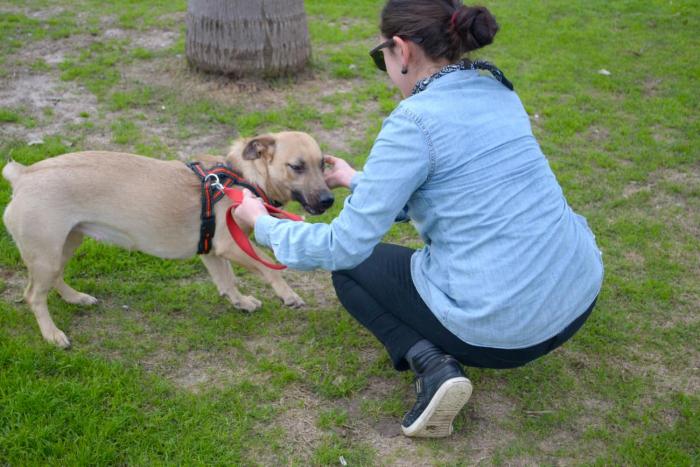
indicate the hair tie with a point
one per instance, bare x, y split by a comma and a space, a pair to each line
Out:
453, 20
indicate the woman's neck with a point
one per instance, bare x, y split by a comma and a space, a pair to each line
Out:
421, 72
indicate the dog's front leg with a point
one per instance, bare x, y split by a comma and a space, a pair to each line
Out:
221, 273
273, 277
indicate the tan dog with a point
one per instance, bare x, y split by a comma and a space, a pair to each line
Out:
148, 205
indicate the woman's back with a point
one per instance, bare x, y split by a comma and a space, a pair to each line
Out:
507, 263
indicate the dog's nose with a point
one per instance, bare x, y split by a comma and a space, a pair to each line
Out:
326, 200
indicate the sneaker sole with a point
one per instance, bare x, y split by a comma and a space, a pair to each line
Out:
436, 419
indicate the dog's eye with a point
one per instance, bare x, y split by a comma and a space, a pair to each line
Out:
296, 168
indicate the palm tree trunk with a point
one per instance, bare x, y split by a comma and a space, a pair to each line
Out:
247, 37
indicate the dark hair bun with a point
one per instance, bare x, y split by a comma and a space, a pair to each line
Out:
475, 26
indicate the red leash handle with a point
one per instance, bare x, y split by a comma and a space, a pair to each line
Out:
240, 237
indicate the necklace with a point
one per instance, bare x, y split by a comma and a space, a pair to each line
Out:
462, 65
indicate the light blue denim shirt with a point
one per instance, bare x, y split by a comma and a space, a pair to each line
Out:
506, 262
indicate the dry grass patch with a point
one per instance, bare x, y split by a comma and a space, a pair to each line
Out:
34, 94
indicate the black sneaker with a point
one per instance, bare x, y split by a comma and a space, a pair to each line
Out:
441, 392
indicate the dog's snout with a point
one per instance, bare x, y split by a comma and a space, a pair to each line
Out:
326, 200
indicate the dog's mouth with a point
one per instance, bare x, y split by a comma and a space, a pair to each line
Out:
312, 211
313, 208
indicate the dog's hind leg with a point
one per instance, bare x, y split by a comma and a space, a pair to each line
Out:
41, 250
68, 293
221, 273
44, 270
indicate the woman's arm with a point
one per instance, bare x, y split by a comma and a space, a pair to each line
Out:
398, 164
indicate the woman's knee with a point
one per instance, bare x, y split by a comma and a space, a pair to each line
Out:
340, 280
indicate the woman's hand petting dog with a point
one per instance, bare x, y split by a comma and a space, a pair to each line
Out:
338, 173
249, 210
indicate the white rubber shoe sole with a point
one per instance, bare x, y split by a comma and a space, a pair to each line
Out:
436, 419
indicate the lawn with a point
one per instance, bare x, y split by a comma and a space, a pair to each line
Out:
164, 371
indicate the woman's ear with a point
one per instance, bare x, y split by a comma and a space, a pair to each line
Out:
404, 49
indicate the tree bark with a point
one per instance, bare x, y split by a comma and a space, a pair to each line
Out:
247, 37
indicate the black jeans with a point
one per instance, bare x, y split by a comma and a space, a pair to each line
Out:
380, 294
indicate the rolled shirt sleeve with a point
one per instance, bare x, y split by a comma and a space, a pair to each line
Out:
398, 164
355, 180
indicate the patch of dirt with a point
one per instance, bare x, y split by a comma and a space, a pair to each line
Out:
177, 17
257, 95
197, 371
268, 345
54, 51
37, 92
339, 140
15, 282
633, 188
393, 448
299, 421
651, 86
153, 39
665, 201
315, 287
194, 370
634, 258
668, 380
483, 433
216, 140
598, 134
480, 436
690, 177
662, 134
251, 94
43, 14
303, 436
95, 325
377, 389
100, 139
343, 24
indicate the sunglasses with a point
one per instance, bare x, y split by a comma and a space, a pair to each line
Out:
378, 56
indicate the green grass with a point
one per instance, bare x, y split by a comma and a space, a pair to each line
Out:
9, 116
164, 371
70, 408
18, 116
18, 29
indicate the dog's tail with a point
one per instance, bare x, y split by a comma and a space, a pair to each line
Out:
13, 171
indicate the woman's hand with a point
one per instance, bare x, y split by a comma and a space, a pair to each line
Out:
248, 211
339, 173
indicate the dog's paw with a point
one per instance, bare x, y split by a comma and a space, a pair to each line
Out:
57, 337
246, 303
293, 300
82, 299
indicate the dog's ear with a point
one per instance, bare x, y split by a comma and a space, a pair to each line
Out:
258, 147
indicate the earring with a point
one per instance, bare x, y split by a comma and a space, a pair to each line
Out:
404, 70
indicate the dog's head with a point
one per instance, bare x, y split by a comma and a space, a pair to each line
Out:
287, 165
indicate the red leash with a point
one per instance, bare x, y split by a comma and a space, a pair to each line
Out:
237, 233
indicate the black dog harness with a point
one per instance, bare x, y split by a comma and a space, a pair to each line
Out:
213, 181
